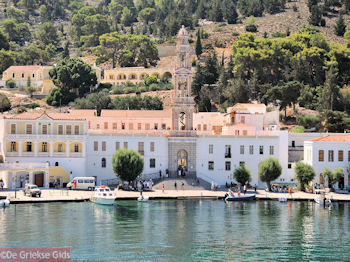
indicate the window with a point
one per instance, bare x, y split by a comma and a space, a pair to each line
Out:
125, 144
139, 126
117, 146
33, 75
13, 146
103, 145
147, 126
152, 147
211, 149
44, 147
289, 166
44, 129
211, 165
13, 128
340, 155
105, 125
141, 148
152, 163
103, 162
236, 132
261, 150
245, 132
13, 75
330, 155
199, 127
114, 125
60, 147
155, 126
89, 124
76, 148
241, 149
241, 163
60, 130
349, 160
29, 129
293, 143
76, 130
123, 126
68, 130
98, 126
251, 149
29, 147
243, 119
131, 126
227, 151
227, 165
204, 127
320, 155
95, 145
22, 75
163, 126
271, 150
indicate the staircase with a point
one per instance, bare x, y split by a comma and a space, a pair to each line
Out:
189, 184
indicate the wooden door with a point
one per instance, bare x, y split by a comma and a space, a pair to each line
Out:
39, 179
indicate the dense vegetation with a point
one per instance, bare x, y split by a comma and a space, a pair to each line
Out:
127, 164
303, 68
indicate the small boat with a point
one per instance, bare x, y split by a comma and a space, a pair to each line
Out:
142, 198
239, 197
282, 199
321, 200
103, 196
4, 202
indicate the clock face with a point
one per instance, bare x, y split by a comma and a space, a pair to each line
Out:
182, 79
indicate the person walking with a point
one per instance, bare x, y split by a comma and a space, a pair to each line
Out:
183, 186
175, 185
163, 188
2, 184
245, 188
255, 187
160, 174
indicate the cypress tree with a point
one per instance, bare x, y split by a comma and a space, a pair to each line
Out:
339, 27
199, 50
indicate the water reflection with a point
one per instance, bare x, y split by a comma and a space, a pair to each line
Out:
183, 230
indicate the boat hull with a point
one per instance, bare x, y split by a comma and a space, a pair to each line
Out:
4, 203
240, 198
103, 201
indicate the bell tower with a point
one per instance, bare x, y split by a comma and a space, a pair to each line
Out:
182, 103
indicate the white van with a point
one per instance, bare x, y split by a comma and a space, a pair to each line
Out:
82, 183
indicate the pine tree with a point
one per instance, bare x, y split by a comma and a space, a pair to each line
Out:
199, 50
339, 27
230, 12
211, 69
65, 53
315, 16
197, 83
330, 92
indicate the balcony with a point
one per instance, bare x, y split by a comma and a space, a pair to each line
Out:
76, 154
45, 137
28, 154
59, 154
43, 154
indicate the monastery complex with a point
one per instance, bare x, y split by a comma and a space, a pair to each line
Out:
43, 147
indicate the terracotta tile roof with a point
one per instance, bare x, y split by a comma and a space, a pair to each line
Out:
83, 112
34, 116
247, 105
333, 138
136, 113
23, 68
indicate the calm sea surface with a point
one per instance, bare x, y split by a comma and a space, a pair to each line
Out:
183, 230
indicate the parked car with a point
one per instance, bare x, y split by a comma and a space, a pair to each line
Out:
32, 190
82, 183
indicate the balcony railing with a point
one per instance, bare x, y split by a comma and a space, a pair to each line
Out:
76, 154
28, 154
13, 153
43, 153
59, 154
46, 137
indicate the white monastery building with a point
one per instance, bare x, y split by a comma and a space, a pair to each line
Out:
204, 145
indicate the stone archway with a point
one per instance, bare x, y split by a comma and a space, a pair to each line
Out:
182, 160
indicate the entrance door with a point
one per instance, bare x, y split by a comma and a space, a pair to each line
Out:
341, 183
39, 179
182, 160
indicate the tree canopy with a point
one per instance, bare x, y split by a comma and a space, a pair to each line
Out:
242, 175
127, 164
304, 173
269, 170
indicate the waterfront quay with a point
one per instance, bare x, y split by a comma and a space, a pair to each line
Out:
63, 195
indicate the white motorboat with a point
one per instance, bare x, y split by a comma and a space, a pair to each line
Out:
103, 196
143, 198
4, 203
321, 200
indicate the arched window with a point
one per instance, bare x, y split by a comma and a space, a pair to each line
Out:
56, 164
103, 162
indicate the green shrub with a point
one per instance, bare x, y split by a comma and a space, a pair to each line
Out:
151, 80
251, 28
295, 8
141, 89
129, 90
217, 29
205, 35
219, 44
117, 90
235, 34
20, 110
323, 22
153, 87
299, 129
278, 34
308, 121
208, 46
33, 105
221, 24
11, 83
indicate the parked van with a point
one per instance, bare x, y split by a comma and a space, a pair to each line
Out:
82, 183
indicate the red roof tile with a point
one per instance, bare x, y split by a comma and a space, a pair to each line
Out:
333, 138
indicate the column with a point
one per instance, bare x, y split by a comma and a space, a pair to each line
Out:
46, 179
31, 178
51, 148
20, 148
67, 149
35, 148
83, 148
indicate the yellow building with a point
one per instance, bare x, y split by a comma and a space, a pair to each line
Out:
135, 75
58, 139
38, 75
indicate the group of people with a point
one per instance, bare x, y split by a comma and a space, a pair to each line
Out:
2, 184
214, 186
182, 185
